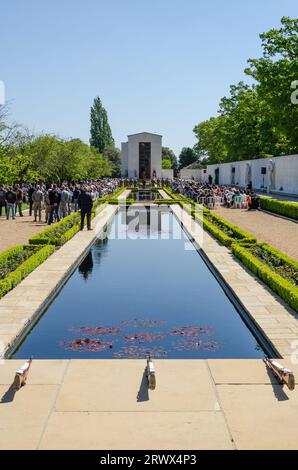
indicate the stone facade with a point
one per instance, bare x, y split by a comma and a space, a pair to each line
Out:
278, 174
131, 155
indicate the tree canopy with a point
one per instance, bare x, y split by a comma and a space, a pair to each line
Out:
258, 120
186, 157
168, 154
101, 134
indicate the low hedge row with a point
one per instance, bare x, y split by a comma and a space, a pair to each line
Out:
39, 255
164, 201
288, 209
284, 288
57, 234
62, 231
235, 233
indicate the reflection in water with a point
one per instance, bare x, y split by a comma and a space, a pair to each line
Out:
86, 266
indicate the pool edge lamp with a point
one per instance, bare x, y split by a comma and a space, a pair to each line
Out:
22, 374
151, 374
284, 375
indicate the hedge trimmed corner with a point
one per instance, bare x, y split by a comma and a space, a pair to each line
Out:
16, 276
56, 234
285, 289
288, 209
218, 228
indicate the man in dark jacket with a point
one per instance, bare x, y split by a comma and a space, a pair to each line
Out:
11, 199
54, 198
85, 204
31, 190
2, 199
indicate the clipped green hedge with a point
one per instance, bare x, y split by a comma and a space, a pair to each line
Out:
63, 231
39, 255
288, 209
284, 288
53, 235
237, 234
164, 201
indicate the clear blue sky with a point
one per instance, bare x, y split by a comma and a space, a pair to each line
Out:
158, 65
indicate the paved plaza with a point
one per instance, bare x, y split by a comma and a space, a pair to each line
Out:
18, 231
103, 404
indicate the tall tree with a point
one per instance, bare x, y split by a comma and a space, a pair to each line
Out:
168, 154
101, 134
186, 157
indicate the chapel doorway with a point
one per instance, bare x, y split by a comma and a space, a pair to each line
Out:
145, 160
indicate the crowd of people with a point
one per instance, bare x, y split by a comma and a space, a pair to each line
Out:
55, 200
211, 195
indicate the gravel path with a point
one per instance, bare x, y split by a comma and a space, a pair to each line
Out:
18, 231
279, 233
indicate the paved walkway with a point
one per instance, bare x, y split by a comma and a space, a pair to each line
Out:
278, 232
106, 404
18, 231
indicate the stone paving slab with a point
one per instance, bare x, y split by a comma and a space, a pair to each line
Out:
118, 385
42, 372
24, 415
159, 430
247, 411
245, 371
261, 416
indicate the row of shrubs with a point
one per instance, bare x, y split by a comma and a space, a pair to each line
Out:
286, 289
274, 268
220, 228
29, 258
285, 208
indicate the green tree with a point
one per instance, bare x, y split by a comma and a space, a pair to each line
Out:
101, 134
186, 157
166, 164
274, 73
168, 154
114, 156
259, 120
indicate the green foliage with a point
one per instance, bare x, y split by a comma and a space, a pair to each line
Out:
14, 277
12, 258
164, 201
54, 234
277, 261
114, 157
52, 158
168, 154
259, 120
166, 164
285, 289
101, 134
288, 209
186, 157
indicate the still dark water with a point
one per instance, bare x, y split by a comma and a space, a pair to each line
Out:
136, 295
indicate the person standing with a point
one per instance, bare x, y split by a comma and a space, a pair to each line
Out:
31, 190
19, 201
11, 198
85, 204
64, 200
54, 197
37, 198
2, 200
76, 195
